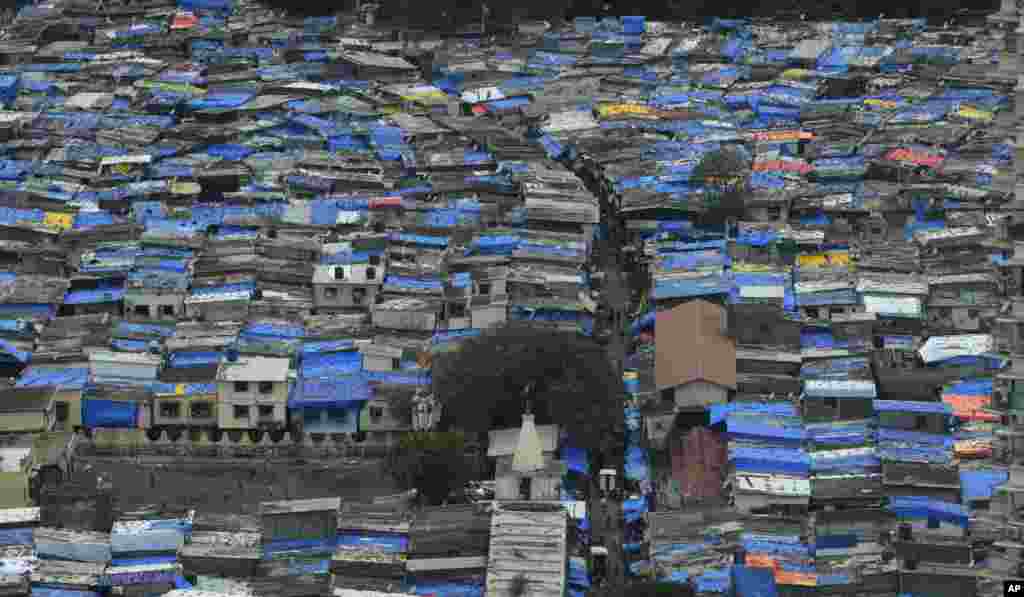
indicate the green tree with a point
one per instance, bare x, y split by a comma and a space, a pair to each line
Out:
567, 379
725, 175
433, 463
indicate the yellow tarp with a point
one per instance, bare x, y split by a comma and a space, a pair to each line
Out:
60, 221
613, 110
830, 258
974, 114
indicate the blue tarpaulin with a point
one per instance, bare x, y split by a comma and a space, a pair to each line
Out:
64, 378
110, 414
333, 391
754, 582
380, 542
979, 484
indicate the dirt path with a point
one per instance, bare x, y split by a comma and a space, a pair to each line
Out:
239, 490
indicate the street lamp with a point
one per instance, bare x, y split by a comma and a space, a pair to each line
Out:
607, 476
423, 411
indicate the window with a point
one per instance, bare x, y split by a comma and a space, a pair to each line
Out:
201, 410
167, 310
241, 387
358, 296
485, 288
457, 310
371, 273
376, 412
921, 422
812, 312
339, 273
266, 387
374, 259
396, 364
832, 403
337, 415
61, 411
331, 293
311, 417
668, 394
973, 313
241, 412
170, 410
266, 411
142, 310
524, 488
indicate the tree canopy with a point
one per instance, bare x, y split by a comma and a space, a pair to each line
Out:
433, 463
725, 173
566, 378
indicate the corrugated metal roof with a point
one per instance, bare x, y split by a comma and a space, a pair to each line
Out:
530, 545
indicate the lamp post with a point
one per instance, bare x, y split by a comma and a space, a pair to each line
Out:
423, 411
607, 476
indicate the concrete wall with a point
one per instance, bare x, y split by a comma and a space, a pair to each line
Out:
227, 419
185, 411
701, 394
156, 304
340, 296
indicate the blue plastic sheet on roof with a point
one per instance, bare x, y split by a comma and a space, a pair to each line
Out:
848, 434
916, 507
221, 100
901, 436
446, 589
397, 379
636, 468
40, 590
145, 561
275, 330
125, 345
578, 575
377, 541
6, 348
979, 484
194, 358
230, 152
92, 297
419, 239
207, 5
713, 581
576, 459
15, 169
837, 460
912, 406
330, 364
719, 412
782, 546
765, 432
412, 283
110, 414
22, 536
87, 220
224, 289
970, 387
770, 460
326, 392
307, 546
65, 378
